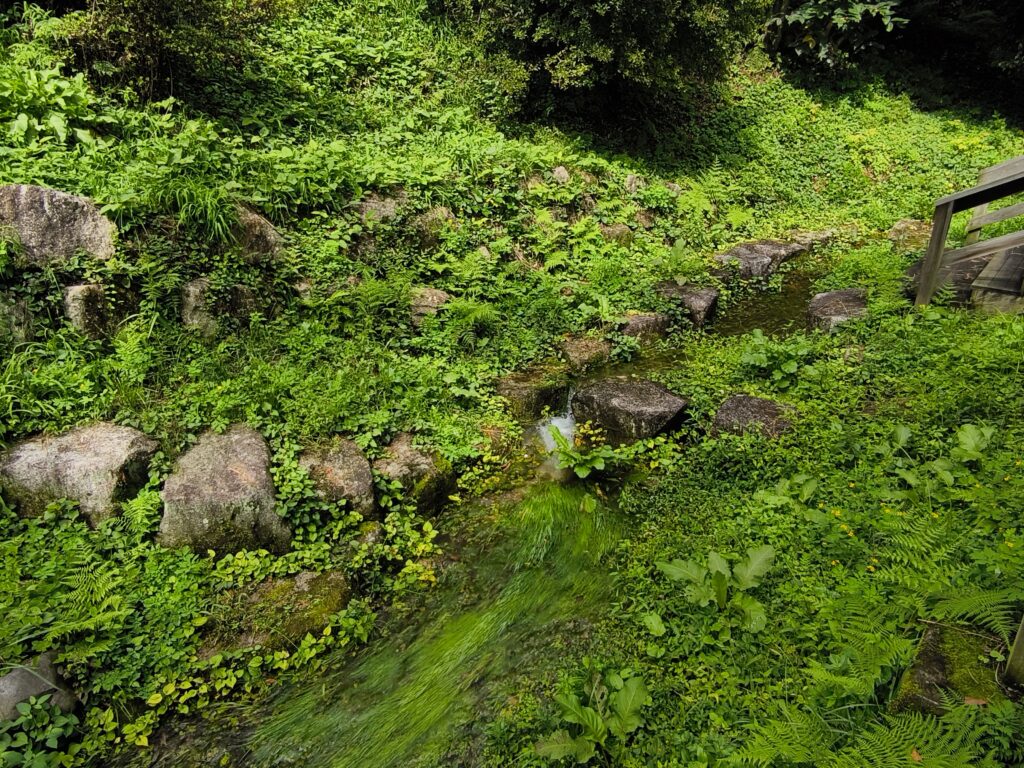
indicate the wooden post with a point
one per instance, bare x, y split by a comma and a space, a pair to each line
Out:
932, 264
1015, 666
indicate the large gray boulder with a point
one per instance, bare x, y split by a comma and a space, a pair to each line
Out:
697, 301
745, 413
425, 477
98, 466
52, 226
39, 679
828, 311
761, 258
629, 409
221, 496
341, 472
85, 307
583, 352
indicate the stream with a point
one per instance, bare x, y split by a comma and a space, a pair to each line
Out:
532, 569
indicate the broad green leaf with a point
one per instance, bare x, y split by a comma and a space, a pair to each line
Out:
654, 624
717, 564
629, 702
748, 572
558, 746
574, 712
720, 586
754, 617
701, 593
683, 570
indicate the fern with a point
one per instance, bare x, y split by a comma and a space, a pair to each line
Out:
798, 737
997, 610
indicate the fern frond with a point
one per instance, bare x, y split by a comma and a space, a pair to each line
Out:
997, 610
900, 741
797, 736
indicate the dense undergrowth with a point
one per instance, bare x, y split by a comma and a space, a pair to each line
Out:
898, 489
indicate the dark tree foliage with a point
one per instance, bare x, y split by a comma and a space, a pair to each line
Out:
971, 35
583, 44
156, 45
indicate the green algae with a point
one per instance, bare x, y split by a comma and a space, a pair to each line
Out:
400, 703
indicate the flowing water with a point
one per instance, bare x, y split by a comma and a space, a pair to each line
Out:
398, 703
535, 565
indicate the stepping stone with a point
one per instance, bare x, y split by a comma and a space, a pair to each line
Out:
530, 392
583, 352
645, 327
425, 477
220, 496
828, 311
745, 413
52, 227
761, 258
629, 409
98, 466
39, 679
341, 472
698, 301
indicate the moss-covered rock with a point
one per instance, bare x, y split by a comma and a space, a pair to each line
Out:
950, 663
529, 392
276, 613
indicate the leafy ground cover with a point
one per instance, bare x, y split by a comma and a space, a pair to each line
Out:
895, 496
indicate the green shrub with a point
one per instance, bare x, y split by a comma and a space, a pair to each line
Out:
582, 44
829, 33
158, 44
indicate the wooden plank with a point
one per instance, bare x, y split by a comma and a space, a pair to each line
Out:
1015, 666
1004, 274
1002, 170
985, 247
984, 193
932, 263
974, 228
994, 217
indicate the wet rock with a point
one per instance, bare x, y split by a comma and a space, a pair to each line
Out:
699, 302
948, 664
561, 175
530, 392
220, 496
256, 236
195, 312
620, 234
39, 679
379, 209
98, 466
430, 226
761, 258
425, 477
277, 613
426, 302
744, 413
583, 352
629, 409
85, 307
908, 235
341, 472
15, 320
960, 279
52, 227
633, 184
828, 311
645, 327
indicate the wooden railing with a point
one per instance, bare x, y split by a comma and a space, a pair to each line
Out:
995, 183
